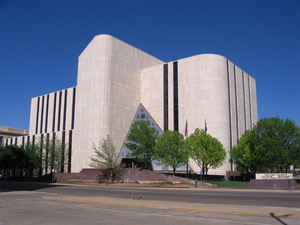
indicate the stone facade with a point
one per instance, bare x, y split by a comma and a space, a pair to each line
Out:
114, 79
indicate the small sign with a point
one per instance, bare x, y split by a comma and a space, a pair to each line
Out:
273, 176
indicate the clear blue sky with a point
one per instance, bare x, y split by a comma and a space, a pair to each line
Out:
40, 42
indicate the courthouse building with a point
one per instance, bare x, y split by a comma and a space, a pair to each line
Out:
118, 84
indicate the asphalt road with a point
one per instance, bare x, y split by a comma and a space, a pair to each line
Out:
218, 196
31, 204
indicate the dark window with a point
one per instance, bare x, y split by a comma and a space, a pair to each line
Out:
62, 163
54, 109
46, 119
47, 154
37, 116
73, 108
65, 109
59, 111
236, 105
53, 152
166, 98
42, 115
176, 110
70, 151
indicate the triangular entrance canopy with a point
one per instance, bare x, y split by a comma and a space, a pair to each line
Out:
143, 114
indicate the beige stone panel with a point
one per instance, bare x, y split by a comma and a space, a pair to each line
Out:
40, 116
203, 95
25, 140
253, 98
69, 108
247, 102
62, 108
108, 94
152, 93
32, 123
92, 101
127, 62
56, 111
60, 121
19, 141
240, 101
232, 103
50, 112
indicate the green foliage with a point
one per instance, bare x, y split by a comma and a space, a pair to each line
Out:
169, 150
17, 161
106, 158
141, 141
229, 183
35, 157
205, 150
271, 146
55, 155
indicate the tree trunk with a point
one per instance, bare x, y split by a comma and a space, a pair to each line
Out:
174, 170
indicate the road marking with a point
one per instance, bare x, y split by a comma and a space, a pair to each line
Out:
153, 206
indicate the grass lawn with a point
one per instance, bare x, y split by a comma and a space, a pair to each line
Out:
229, 183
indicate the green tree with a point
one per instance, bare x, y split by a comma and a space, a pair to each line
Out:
17, 161
141, 142
205, 150
33, 152
169, 150
106, 158
272, 145
56, 155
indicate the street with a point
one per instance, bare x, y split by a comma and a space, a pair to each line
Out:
75, 204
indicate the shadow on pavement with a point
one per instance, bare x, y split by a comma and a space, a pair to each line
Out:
7, 186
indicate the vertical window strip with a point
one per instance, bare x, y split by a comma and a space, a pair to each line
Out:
62, 163
244, 100
65, 109
52, 152
42, 114
16, 140
166, 97
70, 151
73, 108
175, 83
28, 141
47, 154
250, 106
236, 105
23, 141
46, 116
54, 113
59, 111
37, 116
41, 155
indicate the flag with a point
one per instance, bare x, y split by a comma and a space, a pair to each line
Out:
186, 129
